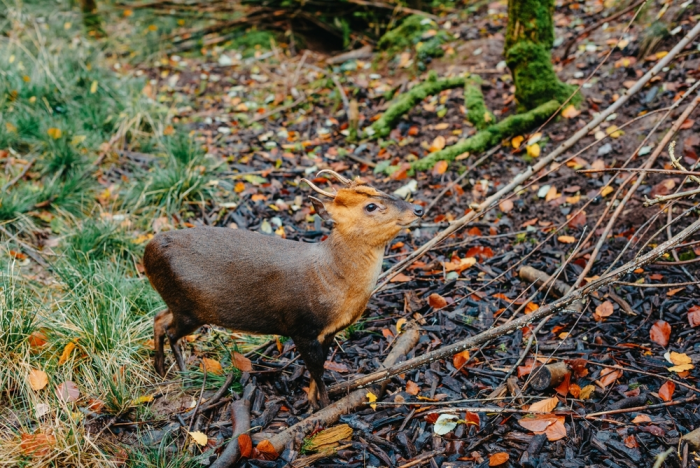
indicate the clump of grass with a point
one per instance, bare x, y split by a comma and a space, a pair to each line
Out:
97, 240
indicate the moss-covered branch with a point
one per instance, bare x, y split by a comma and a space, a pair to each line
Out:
477, 112
408, 100
513, 125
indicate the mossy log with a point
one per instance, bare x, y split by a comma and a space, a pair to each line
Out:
510, 126
529, 40
477, 112
408, 101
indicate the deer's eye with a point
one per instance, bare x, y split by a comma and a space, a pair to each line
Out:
371, 207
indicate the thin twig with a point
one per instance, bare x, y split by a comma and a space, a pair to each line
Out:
18, 177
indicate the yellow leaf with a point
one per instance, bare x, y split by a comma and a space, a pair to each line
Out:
564, 335
517, 141
573, 200
438, 144
142, 238
443, 126
77, 140
607, 190
128, 13
10, 128
143, 399
570, 112
586, 392
614, 132
211, 365
681, 368
551, 194
533, 150
544, 406
54, 133
199, 437
534, 138
371, 397
93, 87
38, 379
566, 239
400, 323
66, 353
661, 54
679, 358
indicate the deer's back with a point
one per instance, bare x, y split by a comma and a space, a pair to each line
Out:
237, 279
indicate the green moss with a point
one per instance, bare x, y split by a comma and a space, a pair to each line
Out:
529, 39
411, 33
408, 100
513, 125
477, 112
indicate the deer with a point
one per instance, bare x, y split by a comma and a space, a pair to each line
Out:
254, 283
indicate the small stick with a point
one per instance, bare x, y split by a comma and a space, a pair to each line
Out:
638, 169
641, 408
660, 285
661, 458
201, 395
18, 177
422, 459
673, 196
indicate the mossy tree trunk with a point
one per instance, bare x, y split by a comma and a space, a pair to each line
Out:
529, 40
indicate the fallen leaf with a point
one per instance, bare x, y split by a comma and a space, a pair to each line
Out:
498, 458
54, 133
605, 309
662, 188
574, 390
517, 141
614, 132
694, 316
473, 419
660, 332
544, 406
412, 388
506, 205
679, 359
68, 391
537, 422
38, 379
436, 301
211, 365
38, 445
459, 359
437, 145
371, 397
556, 431
563, 388
143, 399
681, 368
459, 264
245, 445
641, 418
578, 220
399, 324
241, 362
336, 366
445, 423
570, 112
66, 353
533, 150
631, 442
666, 391
480, 251
199, 437
688, 123
566, 239
608, 376
401, 278
37, 339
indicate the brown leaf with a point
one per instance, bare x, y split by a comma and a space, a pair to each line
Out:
480, 251
436, 301
241, 362
68, 391
556, 431
267, 450
662, 188
498, 458
578, 221
605, 309
537, 422
631, 442
666, 391
440, 168
574, 390
38, 379
688, 123
660, 332
544, 406
38, 445
401, 278
609, 376
336, 366
412, 388
37, 339
694, 316
506, 205
566, 239
641, 418
245, 445
472, 418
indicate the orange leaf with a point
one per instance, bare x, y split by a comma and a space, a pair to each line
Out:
37, 444
498, 458
524, 370
566, 239
401, 278
609, 376
460, 358
66, 353
245, 445
641, 418
660, 332
17, 255
544, 406
267, 450
563, 388
211, 365
241, 362
506, 205
537, 422
578, 220
574, 390
37, 339
480, 251
412, 388
694, 316
38, 379
631, 441
605, 309
472, 418
440, 168
436, 301
387, 333
666, 391
473, 231
556, 431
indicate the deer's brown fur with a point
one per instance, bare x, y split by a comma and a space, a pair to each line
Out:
255, 283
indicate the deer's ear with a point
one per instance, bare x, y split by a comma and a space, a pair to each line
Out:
320, 209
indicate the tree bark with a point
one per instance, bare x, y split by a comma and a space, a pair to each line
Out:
529, 40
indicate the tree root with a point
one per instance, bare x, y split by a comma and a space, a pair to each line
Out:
408, 100
513, 125
357, 399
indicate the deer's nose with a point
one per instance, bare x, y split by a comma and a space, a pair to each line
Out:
418, 210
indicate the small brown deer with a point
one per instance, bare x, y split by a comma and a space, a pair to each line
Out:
253, 283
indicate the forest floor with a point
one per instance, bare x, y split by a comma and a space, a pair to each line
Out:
99, 153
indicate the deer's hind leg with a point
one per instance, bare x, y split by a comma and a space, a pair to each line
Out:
161, 322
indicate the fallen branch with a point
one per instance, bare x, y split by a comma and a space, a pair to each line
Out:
567, 303
240, 413
408, 100
542, 162
330, 414
477, 112
512, 125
